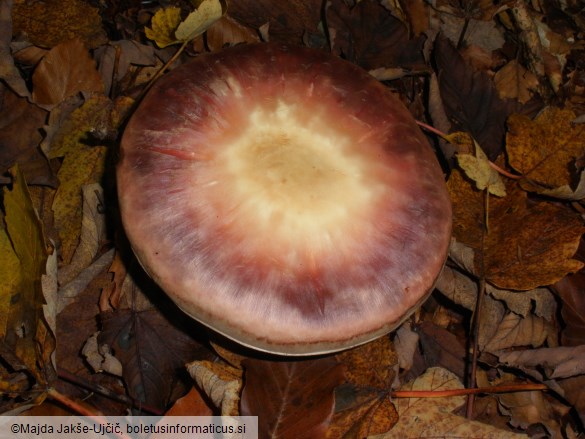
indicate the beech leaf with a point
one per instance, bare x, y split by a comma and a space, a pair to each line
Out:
65, 71
151, 350
292, 399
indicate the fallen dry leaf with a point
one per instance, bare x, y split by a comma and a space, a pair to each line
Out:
151, 350
513, 81
384, 42
545, 150
163, 26
65, 71
287, 21
221, 383
26, 332
362, 404
556, 362
292, 399
570, 291
433, 417
198, 21
470, 99
92, 235
517, 331
477, 167
82, 164
192, 404
20, 136
49, 23
227, 31
528, 244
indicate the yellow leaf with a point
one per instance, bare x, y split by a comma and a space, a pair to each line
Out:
198, 21
164, 23
26, 330
82, 164
477, 167
10, 278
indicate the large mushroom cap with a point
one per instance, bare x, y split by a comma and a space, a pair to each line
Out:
284, 198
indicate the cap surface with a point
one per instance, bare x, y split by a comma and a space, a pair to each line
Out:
284, 198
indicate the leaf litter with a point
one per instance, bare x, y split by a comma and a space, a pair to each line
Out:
503, 75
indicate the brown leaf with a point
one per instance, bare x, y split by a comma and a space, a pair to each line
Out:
570, 290
26, 333
470, 99
362, 406
20, 136
192, 404
8, 70
529, 244
545, 150
65, 71
288, 21
513, 81
559, 362
516, 331
228, 31
292, 399
371, 37
574, 394
151, 350
51, 22
442, 348
529, 408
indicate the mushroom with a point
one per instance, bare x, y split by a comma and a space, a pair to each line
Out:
284, 198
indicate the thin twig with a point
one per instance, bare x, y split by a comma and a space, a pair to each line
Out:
475, 391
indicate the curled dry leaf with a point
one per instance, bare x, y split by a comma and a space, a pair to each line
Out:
546, 150
530, 408
198, 21
220, 382
557, 362
65, 71
93, 229
515, 331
